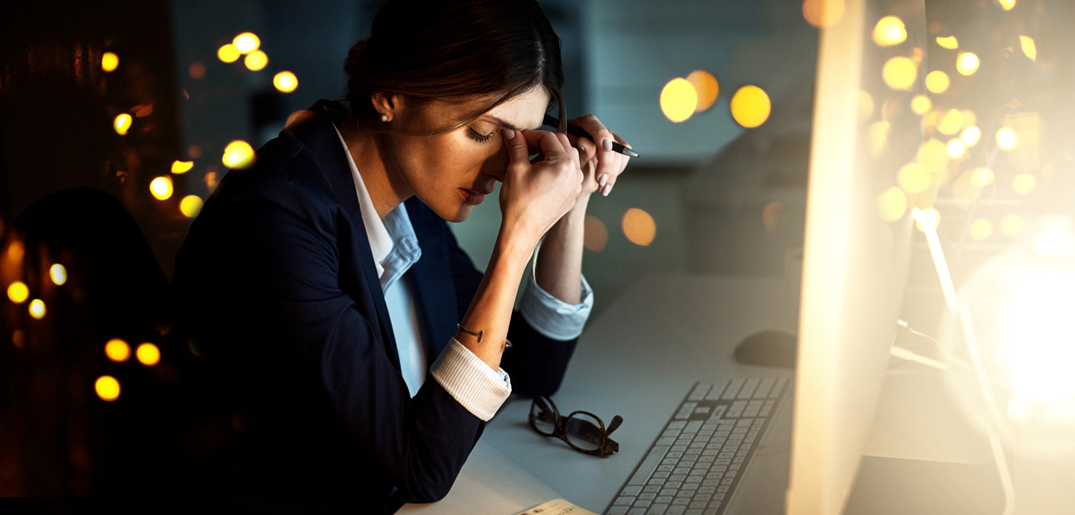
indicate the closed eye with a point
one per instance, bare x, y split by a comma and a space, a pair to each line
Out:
480, 138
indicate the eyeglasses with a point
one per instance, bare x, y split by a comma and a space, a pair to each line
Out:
582, 430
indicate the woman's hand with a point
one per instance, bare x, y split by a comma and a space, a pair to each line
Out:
535, 195
601, 165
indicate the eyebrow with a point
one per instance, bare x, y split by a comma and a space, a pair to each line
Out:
510, 126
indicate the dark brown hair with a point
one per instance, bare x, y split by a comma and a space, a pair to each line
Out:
455, 51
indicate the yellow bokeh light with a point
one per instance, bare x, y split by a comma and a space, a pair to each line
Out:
913, 178
971, 135
750, 106
951, 122
1011, 225
892, 204
117, 350
982, 177
929, 214
865, 106
109, 61
37, 308
950, 42
18, 292
179, 167
148, 354
256, 60
285, 82
228, 53
823, 13
1029, 48
964, 192
246, 42
595, 234
707, 88
161, 188
921, 104
122, 123
1007, 5
679, 100
889, 31
877, 138
190, 206
107, 388
239, 154
967, 63
1024, 183
899, 73
933, 154
58, 274
639, 227
15, 251
937, 81
981, 229
1006, 138
969, 118
956, 148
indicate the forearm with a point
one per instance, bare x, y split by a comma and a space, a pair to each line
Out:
559, 264
490, 311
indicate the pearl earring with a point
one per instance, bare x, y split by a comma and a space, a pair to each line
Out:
384, 117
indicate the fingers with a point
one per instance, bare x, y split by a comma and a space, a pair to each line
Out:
517, 151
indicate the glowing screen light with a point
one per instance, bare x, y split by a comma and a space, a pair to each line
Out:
707, 88
950, 42
107, 388
750, 106
256, 60
148, 354
190, 206
161, 188
889, 31
899, 73
1038, 340
892, 204
179, 167
285, 82
109, 61
967, 63
117, 350
639, 227
823, 13
937, 81
18, 292
246, 42
921, 104
37, 308
122, 123
238, 154
679, 100
1006, 138
58, 274
228, 53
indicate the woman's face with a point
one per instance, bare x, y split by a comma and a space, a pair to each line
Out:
451, 172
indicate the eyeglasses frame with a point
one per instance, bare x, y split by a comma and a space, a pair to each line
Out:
606, 446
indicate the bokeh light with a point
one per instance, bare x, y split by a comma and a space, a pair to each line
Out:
889, 31
117, 350
679, 100
148, 354
246, 42
1029, 48
750, 106
179, 167
921, 104
913, 178
706, 87
190, 206
1006, 138
228, 53
239, 154
58, 274
933, 154
950, 42
37, 308
18, 292
1011, 225
892, 204
122, 123
956, 148
971, 135
161, 187
982, 177
967, 63
256, 60
107, 388
865, 106
109, 61
981, 229
951, 122
929, 215
1024, 183
15, 251
1007, 5
937, 81
595, 234
196, 70
211, 181
823, 13
899, 73
285, 82
877, 138
639, 227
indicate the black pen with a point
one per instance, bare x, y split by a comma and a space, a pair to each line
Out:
578, 132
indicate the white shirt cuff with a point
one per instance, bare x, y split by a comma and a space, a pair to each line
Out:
470, 381
551, 316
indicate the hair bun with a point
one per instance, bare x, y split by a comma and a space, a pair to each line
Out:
355, 58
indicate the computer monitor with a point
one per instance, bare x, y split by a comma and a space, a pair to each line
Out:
858, 241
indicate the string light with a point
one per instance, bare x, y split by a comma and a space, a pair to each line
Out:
107, 388
967, 63
707, 88
950, 42
639, 227
1006, 138
109, 61
921, 104
750, 106
148, 354
58, 274
228, 53
679, 100
246, 42
937, 81
899, 73
180, 167
37, 308
161, 187
18, 292
117, 350
190, 206
1029, 48
122, 123
285, 82
238, 154
256, 60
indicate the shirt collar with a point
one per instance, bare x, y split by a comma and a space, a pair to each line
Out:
392, 240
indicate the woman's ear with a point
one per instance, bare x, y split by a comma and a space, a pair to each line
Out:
387, 105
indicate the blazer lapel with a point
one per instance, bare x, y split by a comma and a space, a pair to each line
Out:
433, 284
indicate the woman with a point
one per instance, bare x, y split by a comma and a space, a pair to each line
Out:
324, 284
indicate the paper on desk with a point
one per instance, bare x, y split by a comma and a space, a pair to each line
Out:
557, 507
488, 483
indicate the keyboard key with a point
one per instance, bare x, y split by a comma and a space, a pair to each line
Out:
732, 390
617, 510
657, 509
664, 499
623, 501
648, 496
651, 488
631, 490
675, 510
637, 511
643, 503
698, 393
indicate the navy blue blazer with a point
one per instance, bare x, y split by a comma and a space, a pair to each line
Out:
277, 287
